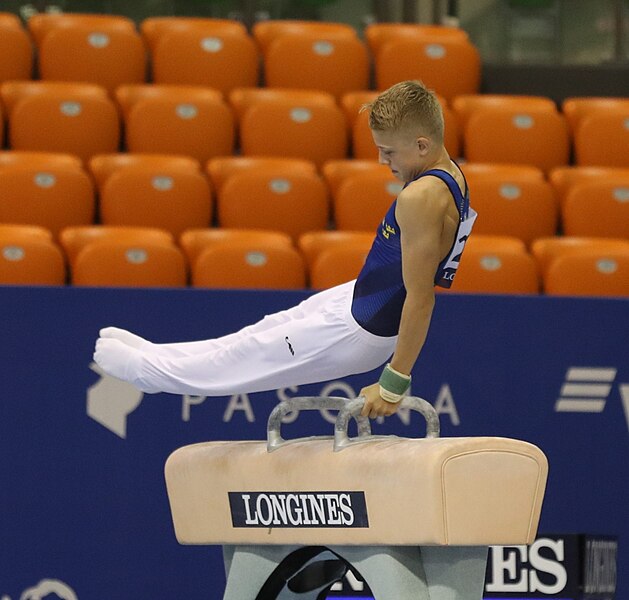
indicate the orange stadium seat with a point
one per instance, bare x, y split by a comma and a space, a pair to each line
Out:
13, 92
266, 32
115, 263
523, 208
74, 239
502, 170
219, 60
576, 109
260, 199
602, 139
314, 243
40, 159
339, 264
597, 209
352, 103
363, 147
362, 142
191, 123
332, 64
249, 264
363, 199
26, 260
195, 241
467, 104
8, 19
87, 54
1, 126
41, 24
508, 135
564, 178
496, 272
304, 129
155, 28
378, 34
335, 172
450, 67
157, 197
241, 99
589, 273
50, 197
102, 166
546, 250
16, 51
221, 168
10, 231
72, 118
127, 96
499, 243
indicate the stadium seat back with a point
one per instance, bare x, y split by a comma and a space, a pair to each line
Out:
86, 54
201, 130
195, 241
334, 65
68, 124
292, 204
450, 67
496, 272
362, 201
222, 61
74, 239
53, 198
29, 261
602, 139
534, 137
249, 265
597, 209
589, 274
114, 263
311, 131
155, 197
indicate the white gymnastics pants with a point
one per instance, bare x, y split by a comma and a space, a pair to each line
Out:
317, 340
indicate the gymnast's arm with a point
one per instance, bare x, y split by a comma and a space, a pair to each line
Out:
420, 212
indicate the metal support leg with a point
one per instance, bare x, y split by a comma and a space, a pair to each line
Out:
391, 572
455, 572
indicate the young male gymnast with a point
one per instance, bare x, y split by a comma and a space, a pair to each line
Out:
354, 327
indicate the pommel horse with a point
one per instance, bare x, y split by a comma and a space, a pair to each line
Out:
413, 517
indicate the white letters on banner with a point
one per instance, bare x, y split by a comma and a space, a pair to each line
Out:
110, 401
45, 589
511, 574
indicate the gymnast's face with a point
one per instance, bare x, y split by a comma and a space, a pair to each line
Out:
404, 153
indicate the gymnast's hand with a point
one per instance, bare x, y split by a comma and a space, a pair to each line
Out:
374, 405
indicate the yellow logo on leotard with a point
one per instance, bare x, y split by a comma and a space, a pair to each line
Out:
387, 230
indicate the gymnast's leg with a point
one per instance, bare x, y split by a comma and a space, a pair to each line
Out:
182, 349
317, 342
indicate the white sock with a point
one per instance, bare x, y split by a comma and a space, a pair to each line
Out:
127, 338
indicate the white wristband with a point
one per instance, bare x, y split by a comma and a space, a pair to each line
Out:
390, 396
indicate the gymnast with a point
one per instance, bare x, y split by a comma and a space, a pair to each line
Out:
354, 327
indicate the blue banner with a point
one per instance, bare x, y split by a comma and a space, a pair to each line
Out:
83, 507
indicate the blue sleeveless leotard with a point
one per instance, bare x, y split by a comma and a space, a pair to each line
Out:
379, 292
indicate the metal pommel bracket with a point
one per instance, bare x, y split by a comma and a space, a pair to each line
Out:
353, 408
274, 423
348, 409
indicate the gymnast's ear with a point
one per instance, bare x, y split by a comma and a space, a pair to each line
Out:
424, 145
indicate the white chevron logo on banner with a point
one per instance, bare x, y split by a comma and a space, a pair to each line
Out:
586, 390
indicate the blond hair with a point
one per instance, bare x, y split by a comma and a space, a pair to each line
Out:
407, 105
